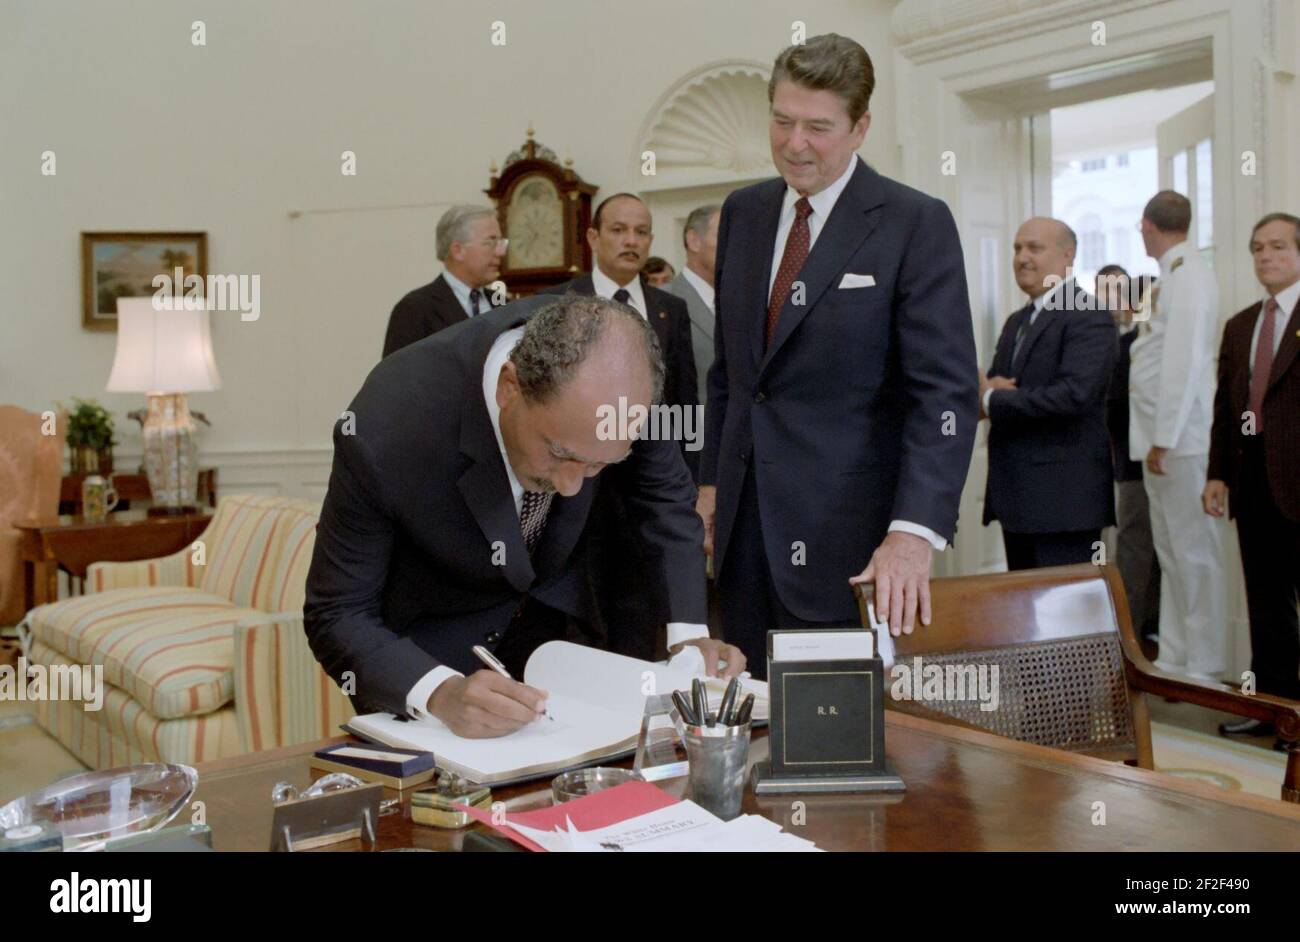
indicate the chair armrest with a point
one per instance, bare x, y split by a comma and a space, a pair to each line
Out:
174, 570
282, 696
1282, 713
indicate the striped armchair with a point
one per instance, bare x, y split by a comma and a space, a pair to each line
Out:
203, 652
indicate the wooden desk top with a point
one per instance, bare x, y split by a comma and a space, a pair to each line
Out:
966, 790
116, 520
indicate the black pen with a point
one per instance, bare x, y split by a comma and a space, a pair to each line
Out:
700, 700
725, 712
746, 708
684, 708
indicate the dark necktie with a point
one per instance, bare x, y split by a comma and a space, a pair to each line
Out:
622, 296
1263, 366
532, 516
792, 259
1021, 332
474, 295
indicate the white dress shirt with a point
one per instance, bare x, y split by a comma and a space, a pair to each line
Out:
822, 203
1286, 300
417, 700
605, 287
461, 290
1172, 372
702, 287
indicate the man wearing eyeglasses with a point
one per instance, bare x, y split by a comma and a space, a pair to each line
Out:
470, 248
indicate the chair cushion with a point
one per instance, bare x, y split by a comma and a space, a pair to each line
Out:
259, 550
171, 649
124, 732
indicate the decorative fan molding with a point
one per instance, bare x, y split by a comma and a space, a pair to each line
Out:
710, 127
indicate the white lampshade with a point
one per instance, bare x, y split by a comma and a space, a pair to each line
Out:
163, 350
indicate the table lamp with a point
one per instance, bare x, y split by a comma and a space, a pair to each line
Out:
164, 349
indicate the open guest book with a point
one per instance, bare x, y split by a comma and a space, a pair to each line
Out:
597, 701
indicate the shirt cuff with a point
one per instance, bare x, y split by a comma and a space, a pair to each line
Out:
924, 533
988, 394
679, 631
417, 701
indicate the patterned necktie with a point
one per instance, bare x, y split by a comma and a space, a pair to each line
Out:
474, 295
532, 516
796, 253
1263, 365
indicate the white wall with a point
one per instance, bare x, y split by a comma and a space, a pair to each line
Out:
151, 132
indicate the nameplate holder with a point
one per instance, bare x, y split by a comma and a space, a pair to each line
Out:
827, 729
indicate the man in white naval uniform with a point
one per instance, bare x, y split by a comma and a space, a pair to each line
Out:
1171, 404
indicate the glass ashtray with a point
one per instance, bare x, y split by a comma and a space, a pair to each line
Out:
97, 806
582, 782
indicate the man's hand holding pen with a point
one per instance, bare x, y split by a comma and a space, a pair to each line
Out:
485, 704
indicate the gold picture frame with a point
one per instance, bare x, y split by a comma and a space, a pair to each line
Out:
123, 264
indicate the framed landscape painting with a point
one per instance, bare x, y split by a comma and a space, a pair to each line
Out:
123, 264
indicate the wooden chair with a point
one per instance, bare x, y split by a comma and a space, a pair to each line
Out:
1071, 674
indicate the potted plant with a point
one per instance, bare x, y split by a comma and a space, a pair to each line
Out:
90, 437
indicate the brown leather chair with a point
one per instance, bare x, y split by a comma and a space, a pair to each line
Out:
1071, 673
31, 469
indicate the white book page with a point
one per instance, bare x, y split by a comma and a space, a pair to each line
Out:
617, 682
578, 728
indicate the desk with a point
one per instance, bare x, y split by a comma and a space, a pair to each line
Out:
73, 543
966, 790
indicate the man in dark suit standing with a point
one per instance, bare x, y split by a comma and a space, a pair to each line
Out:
1135, 552
1254, 466
632, 620
694, 285
1050, 483
470, 247
463, 478
842, 398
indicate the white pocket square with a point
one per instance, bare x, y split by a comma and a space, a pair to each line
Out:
858, 281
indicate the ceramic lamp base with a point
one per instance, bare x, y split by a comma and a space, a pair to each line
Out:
169, 454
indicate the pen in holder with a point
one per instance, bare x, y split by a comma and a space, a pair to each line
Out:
719, 761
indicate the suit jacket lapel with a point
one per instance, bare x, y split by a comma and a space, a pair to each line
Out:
1007, 344
657, 315
484, 484
850, 224
445, 299
758, 270
1286, 353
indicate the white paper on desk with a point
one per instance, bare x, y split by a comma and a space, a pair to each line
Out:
653, 831
621, 683
684, 827
821, 646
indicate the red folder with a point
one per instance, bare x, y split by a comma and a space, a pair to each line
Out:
620, 803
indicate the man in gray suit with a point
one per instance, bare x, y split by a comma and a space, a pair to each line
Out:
694, 284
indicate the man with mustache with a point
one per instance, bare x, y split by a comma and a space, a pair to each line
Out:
1050, 483
632, 618
463, 479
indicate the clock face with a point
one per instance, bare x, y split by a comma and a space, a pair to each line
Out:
535, 225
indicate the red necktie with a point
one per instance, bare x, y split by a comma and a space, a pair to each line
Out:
796, 252
1263, 365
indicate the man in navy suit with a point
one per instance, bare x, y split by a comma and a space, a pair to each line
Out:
462, 486
843, 392
1050, 480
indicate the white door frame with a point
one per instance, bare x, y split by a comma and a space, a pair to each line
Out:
960, 67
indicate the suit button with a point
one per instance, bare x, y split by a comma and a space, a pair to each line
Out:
760, 396
744, 455
492, 637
